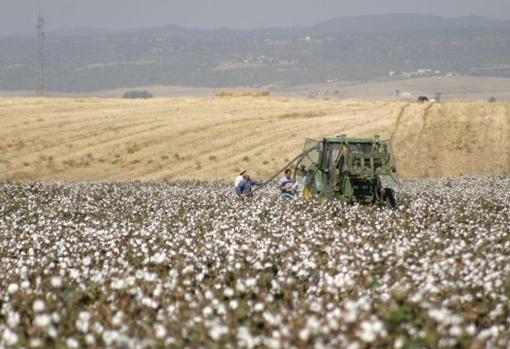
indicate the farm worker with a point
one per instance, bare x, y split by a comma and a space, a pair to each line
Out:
245, 187
238, 180
287, 184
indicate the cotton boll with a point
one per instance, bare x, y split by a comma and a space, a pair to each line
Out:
42, 320
56, 281
217, 332
38, 306
12, 288
36, 342
10, 338
72, 343
13, 319
160, 331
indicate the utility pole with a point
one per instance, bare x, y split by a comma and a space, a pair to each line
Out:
40, 55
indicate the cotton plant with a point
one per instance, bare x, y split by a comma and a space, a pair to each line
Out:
139, 265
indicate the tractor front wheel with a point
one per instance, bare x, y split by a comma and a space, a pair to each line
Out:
308, 192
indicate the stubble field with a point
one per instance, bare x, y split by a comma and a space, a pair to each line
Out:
214, 138
146, 265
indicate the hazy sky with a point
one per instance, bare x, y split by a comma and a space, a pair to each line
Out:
17, 16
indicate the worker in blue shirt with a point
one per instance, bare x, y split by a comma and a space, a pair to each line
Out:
287, 184
245, 187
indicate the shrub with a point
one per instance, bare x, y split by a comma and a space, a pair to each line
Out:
137, 94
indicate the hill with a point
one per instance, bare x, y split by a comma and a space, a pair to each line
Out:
404, 22
214, 138
344, 49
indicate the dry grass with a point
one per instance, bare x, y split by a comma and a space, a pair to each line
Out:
213, 138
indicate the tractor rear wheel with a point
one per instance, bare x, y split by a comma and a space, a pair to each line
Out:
389, 198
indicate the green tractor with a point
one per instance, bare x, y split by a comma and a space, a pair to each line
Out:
351, 170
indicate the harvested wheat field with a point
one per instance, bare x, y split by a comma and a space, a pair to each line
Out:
213, 138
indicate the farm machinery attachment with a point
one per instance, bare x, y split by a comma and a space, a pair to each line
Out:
351, 170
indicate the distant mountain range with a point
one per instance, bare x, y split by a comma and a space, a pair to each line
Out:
343, 49
399, 23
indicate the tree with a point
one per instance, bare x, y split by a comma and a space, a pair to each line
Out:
137, 94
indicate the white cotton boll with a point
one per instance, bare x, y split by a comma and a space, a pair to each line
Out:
52, 332
159, 258
117, 318
160, 331
42, 320
98, 328
438, 314
378, 326
370, 330
74, 274
109, 337
149, 302
56, 281
209, 295
272, 343
353, 345
38, 306
188, 269
97, 278
233, 304
366, 335
82, 323
240, 286
228, 292
216, 332
9, 337
90, 339
399, 343
12, 288
118, 284
246, 339
304, 334
13, 319
36, 342
72, 343
258, 307
456, 331
315, 307
25, 284
207, 311
55, 317
86, 261
350, 315
471, 329
84, 316
169, 342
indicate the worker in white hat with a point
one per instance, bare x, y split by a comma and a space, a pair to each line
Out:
238, 180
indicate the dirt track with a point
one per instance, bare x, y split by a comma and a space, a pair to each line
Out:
213, 138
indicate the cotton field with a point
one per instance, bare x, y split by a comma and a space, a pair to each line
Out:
137, 265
